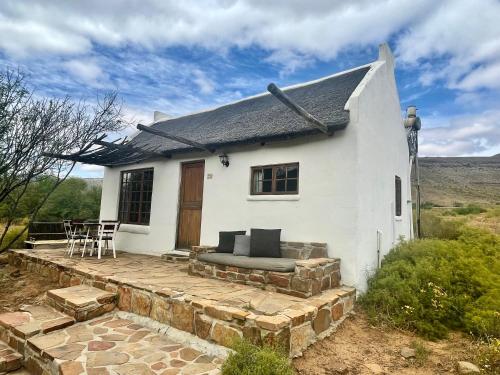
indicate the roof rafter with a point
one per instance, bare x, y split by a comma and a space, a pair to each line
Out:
129, 147
161, 133
285, 99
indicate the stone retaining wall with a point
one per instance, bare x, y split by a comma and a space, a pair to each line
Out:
310, 278
294, 329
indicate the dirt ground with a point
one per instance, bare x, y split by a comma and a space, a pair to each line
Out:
359, 348
20, 287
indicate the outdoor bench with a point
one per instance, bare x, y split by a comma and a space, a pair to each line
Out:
304, 270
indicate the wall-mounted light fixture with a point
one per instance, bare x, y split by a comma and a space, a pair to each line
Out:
224, 160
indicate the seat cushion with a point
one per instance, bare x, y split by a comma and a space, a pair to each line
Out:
260, 263
265, 243
226, 241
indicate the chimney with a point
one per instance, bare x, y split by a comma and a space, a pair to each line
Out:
160, 116
385, 54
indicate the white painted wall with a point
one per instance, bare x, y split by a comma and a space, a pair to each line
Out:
346, 187
382, 152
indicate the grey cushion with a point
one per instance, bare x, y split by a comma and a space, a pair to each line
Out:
261, 263
241, 245
226, 241
265, 243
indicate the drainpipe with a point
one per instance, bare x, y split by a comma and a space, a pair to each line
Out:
379, 246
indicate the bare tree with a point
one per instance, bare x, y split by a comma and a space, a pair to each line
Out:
31, 127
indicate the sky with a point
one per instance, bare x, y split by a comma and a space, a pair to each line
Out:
183, 56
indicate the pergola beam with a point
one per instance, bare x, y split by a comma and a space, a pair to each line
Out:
129, 147
285, 99
161, 133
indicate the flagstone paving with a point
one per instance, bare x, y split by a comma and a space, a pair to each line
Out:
111, 345
214, 310
151, 273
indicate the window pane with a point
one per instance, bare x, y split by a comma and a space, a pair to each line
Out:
136, 194
268, 173
280, 185
267, 186
398, 195
292, 172
291, 185
257, 180
133, 217
280, 172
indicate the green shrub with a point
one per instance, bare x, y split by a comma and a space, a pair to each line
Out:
488, 356
470, 209
248, 359
431, 286
14, 231
427, 205
421, 352
433, 226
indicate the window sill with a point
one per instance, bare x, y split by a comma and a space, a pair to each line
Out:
132, 228
274, 198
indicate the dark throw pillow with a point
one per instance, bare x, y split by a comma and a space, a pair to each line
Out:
265, 243
226, 241
241, 245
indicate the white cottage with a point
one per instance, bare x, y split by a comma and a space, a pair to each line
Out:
348, 187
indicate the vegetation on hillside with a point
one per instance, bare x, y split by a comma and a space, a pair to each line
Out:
450, 281
72, 199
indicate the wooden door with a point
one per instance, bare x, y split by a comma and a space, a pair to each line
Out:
190, 205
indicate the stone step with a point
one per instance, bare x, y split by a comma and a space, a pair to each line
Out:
82, 302
176, 256
17, 327
10, 359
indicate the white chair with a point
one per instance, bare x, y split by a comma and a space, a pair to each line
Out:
79, 234
68, 230
91, 231
107, 232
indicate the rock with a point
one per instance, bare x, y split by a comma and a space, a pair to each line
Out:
202, 326
272, 323
408, 353
188, 354
224, 335
98, 359
374, 368
97, 346
71, 368
322, 321
300, 338
337, 311
141, 303
161, 310
464, 367
183, 317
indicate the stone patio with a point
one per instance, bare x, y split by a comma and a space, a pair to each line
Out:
111, 345
213, 310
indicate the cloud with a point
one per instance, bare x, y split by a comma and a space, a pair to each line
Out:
205, 84
466, 135
463, 33
321, 29
87, 71
457, 42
